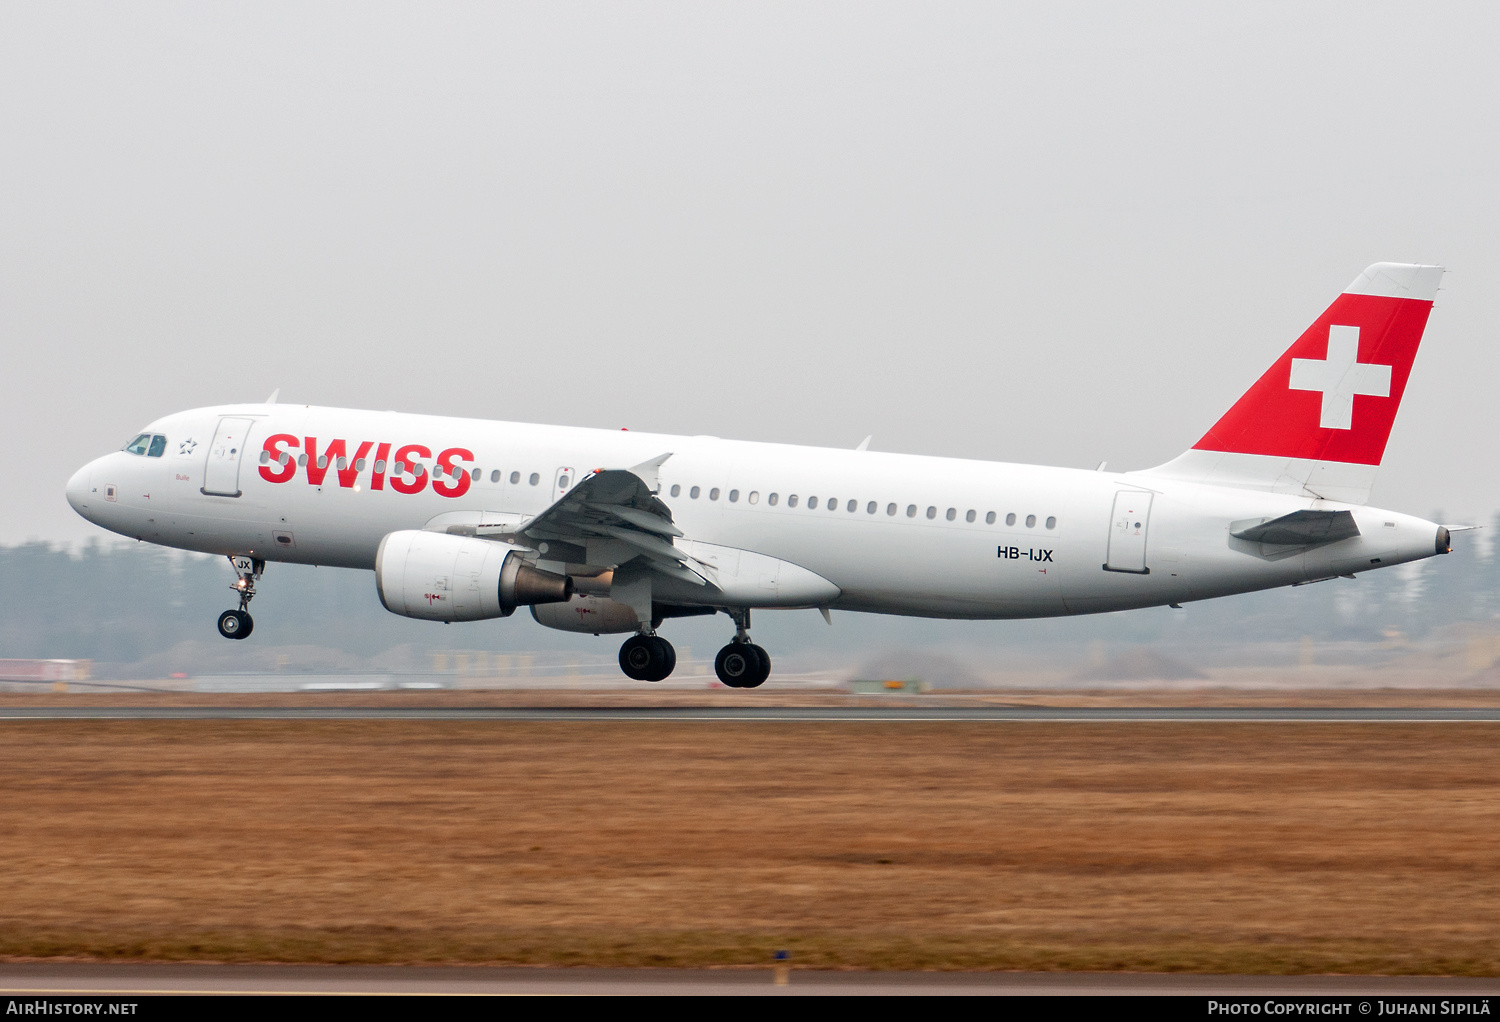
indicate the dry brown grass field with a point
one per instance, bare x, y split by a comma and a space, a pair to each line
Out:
1176, 846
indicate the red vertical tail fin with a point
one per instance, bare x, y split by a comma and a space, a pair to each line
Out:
1318, 420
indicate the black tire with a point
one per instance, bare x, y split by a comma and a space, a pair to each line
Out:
640, 658
763, 668
737, 665
235, 624
667, 659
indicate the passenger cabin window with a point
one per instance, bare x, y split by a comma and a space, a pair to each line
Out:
734, 496
911, 510
989, 519
952, 513
140, 444
971, 515
713, 494
694, 492
535, 478
1010, 519
676, 489
754, 497
1051, 523
158, 446
932, 512
870, 508
890, 509
495, 476
515, 477
772, 499
791, 501
1031, 521
812, 503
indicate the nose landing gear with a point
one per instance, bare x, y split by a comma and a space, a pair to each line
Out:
238, 624
742, 664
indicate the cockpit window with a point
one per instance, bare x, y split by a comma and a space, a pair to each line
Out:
139, 444
158, 446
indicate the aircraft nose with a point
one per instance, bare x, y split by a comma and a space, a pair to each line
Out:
78, 489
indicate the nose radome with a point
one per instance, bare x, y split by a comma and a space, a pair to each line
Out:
78, 490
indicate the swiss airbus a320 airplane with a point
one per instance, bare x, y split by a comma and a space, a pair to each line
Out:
604, 531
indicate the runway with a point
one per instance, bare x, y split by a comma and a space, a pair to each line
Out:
777, 714
36, 979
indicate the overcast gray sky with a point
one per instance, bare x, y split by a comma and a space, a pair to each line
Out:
1032, 232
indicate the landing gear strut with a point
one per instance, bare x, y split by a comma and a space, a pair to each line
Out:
742, 664
647, 657
238, 624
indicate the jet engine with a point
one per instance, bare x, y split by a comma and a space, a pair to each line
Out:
440, 577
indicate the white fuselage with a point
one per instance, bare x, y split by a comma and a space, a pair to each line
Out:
961, 554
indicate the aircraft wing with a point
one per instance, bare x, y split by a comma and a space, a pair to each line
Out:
612, 516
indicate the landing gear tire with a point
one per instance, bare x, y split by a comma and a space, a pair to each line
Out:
647, 658
235, 624
765, 666
742, 665
668, 659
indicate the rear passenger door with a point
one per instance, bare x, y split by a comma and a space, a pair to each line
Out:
1127, 532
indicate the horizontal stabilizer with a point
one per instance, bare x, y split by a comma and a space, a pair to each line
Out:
1300, 528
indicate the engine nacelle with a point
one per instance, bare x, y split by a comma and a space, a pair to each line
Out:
439, 577
598, 615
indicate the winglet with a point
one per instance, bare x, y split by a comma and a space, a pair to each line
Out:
650, 471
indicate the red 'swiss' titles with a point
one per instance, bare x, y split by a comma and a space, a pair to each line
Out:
406, 473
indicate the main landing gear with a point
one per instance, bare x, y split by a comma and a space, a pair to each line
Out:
742, 664
647, 658
238, 624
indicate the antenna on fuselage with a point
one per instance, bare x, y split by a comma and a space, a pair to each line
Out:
864, 445
274, 395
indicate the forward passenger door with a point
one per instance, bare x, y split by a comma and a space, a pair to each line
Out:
221, 474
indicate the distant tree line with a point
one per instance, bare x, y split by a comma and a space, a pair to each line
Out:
124, 602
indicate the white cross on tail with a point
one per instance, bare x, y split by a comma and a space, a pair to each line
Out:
1340, 377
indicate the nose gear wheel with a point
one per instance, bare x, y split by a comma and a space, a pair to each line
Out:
235, 624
